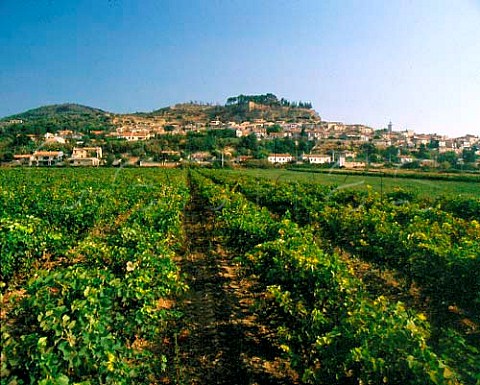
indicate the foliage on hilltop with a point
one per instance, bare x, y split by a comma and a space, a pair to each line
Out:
61, 109
266, 100
57, 117
241, 108
268, 106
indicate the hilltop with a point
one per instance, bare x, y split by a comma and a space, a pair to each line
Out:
60, 109
84, 119
57, 117
243, 108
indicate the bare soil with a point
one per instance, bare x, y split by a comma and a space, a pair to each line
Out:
221, 339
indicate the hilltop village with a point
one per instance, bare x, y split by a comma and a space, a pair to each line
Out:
249, 130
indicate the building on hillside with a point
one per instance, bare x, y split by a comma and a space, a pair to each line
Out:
46, 158
51, 138
317, 159
243, 159
354, 164
447, 145
65, 133
421, 139
280, 158
97, 132
15, 121
335, 126
33, 137
86, 156
201, 157
317, 133
339, 157
215, 123
279, 135
405, 159
22, 159
134, 136
259, 132
239, 133
383, 142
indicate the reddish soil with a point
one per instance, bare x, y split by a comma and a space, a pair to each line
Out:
220, 339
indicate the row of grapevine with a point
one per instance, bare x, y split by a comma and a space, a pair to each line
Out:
101, 316
43, 215
331, 330
431, 247
23, 242
466, 208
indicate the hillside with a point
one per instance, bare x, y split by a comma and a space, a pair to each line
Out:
61, 109
57, 117
239, 109
85, 119
252, 111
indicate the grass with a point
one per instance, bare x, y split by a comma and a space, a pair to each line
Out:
423, 188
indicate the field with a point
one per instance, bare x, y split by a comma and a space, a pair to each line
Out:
133, 276
423, 187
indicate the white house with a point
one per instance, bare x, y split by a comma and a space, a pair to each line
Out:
46, 158
134, 136
317, 159
50, 138
280, 158
405, 159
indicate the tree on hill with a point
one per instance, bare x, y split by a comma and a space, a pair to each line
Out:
390, 154
266, 100
368, 153
469, 154
274, 128
248, 145
53, 118
449, 157
423, 152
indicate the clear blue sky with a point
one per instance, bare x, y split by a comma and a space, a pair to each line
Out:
415, 62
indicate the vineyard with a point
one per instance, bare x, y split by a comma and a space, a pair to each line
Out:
128, 276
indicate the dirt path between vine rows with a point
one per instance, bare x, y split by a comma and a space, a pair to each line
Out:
220, 339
